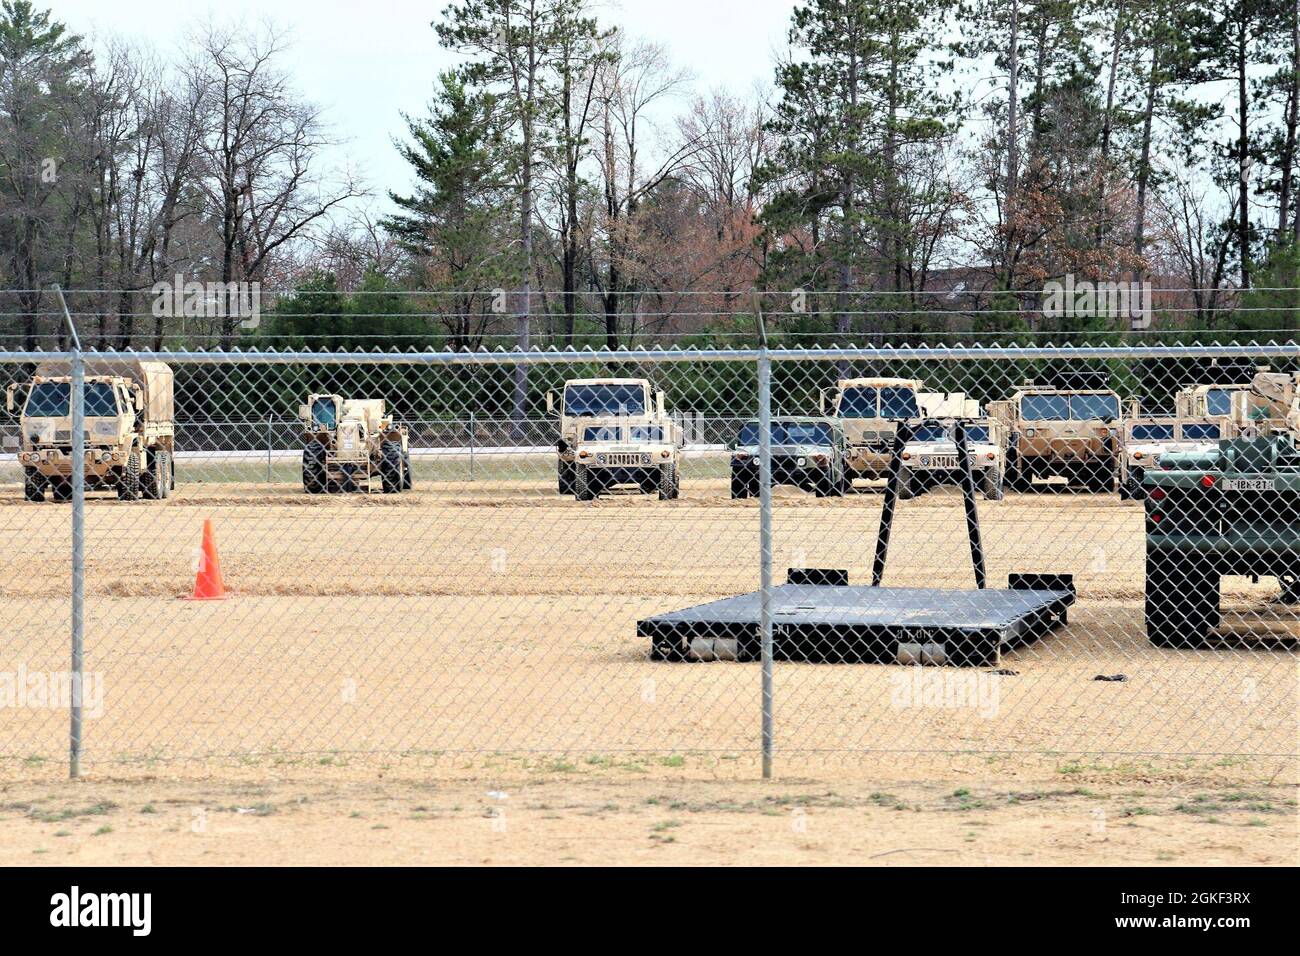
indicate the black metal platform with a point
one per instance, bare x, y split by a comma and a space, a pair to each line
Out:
842, 623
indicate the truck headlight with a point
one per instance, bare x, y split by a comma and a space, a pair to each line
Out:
1029, 433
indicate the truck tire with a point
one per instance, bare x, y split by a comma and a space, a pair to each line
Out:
60, 489
128, 486
739, 484
33, 485
390, 467
1099, 478
408, 480
152, 478
169, 474
1182, 603
582, 489
564, 477
670, 481
348, 484
906, 484
313, 468
1017, 478
993, 484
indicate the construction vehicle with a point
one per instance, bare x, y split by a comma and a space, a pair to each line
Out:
1060, 430
1232, 510
930, 456
615, 431
1147, 440
808, 453
348, 443
130, 429
869, 410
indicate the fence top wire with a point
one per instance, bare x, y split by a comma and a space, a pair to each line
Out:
501, 356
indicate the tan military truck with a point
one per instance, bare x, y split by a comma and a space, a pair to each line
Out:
1071, 433
1271, 398
129, 429
870, 410
1148, 439
350, 442
615, 431
1206, 401
930, 458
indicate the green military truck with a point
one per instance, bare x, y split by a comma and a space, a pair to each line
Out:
1230, 510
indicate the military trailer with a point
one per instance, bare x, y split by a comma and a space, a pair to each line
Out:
615, 432
129, 429
348, 443
1233, 510
1147, 440
808, 453
930, 457
869, 410
1061, 431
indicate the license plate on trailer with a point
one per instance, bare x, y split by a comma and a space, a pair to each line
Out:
939, 461
1248, 484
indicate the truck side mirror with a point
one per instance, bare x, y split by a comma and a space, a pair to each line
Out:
659, 402
550, 401
821, 400
9, 399
137, 398
304, 412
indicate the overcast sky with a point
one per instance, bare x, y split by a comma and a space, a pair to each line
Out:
366, 62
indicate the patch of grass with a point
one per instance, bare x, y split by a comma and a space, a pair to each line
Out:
70, 813
104, 830
676, 760
148, 808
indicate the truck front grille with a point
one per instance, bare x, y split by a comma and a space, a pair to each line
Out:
617, 459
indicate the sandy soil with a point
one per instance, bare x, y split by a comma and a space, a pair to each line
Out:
470, 627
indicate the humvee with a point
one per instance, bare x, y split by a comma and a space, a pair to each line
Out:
130, 429
1147, 440
350, 442
1232, 510
1065, 432
869, 410
930, 457
808, 453
615, 431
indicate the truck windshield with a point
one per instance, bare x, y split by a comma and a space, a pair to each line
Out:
898, 402
788, 433
52, 400
1045, 408
931, 433
604, 400
1152, 433
1200, 431
1085, 407
979, 433
324, 414
1218, 401
649, 433
859, 402
600, 433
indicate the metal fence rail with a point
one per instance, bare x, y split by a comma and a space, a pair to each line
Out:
508, 616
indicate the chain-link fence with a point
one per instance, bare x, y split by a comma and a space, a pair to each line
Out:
439, 575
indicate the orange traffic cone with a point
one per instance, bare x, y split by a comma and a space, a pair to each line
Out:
207, 583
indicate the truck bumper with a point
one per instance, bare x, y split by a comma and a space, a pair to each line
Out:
101, 464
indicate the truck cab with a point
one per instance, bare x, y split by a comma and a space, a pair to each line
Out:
1070, 433
614, 431
129, 430
869, 410
1147, 440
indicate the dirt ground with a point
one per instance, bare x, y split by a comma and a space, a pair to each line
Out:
385, 664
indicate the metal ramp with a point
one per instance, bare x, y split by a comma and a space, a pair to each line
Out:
818, 616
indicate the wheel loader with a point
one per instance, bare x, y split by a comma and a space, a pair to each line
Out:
351, 443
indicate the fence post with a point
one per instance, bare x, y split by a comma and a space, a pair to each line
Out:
765, 546
268, 447
471, 445
77, 399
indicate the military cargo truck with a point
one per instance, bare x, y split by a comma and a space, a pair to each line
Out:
1233, 510
869, 410
129, 429
1147, 440
348, 443
615, 431
808, 453
1056, 431
930, 457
